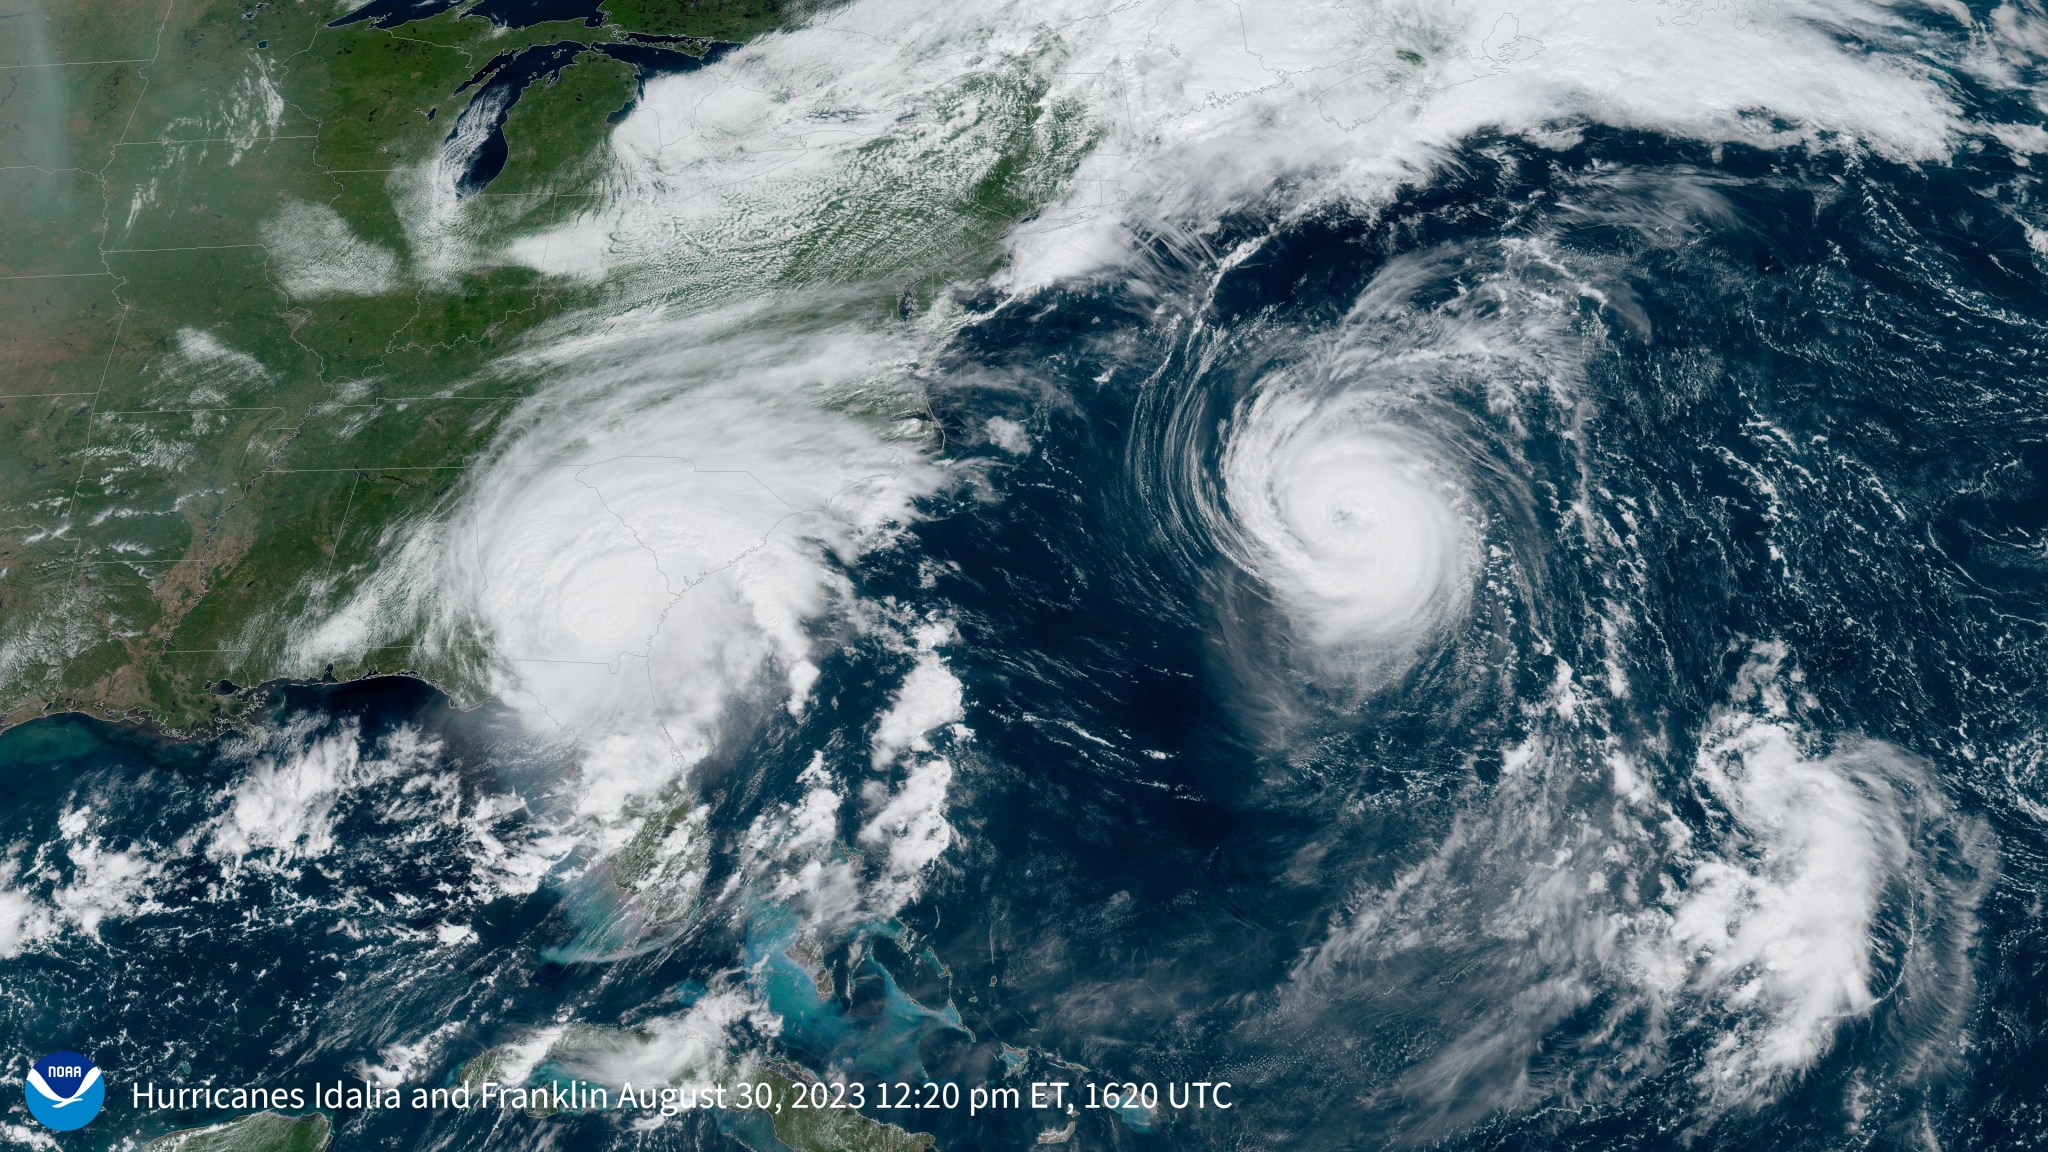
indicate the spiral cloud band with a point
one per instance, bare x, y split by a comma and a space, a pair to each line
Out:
1353, 531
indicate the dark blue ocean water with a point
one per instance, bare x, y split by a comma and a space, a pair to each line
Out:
1745, 410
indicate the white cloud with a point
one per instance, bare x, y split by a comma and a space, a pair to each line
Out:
313, 253
930, 698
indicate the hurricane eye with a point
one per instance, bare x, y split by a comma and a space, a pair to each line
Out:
1343, 517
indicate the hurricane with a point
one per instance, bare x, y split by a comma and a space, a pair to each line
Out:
1477, 575
1348, 526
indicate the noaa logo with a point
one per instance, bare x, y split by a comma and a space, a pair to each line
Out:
65, 1091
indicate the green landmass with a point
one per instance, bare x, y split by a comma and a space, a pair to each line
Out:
786, 1130
235, 359
234, 356
259, 1132
828, 1129
185, 440
710, 19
